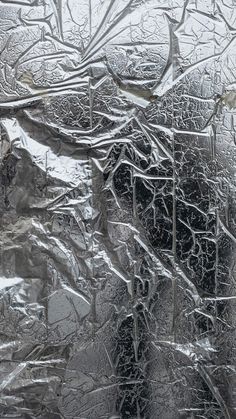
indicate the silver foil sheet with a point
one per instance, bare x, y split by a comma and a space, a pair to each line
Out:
118, 203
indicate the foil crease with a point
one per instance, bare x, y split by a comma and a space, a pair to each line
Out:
118, 227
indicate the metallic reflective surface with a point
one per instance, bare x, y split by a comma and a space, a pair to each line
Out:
118, 203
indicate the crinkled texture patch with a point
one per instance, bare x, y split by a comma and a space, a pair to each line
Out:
117, 209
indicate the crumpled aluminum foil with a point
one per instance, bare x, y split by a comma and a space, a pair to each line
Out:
118, 227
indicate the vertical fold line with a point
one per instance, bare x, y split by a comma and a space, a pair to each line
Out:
174, 181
